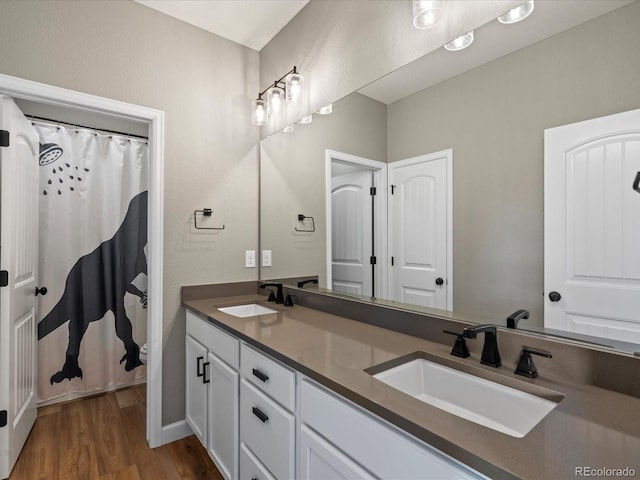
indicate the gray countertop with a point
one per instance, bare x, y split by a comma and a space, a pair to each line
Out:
590, 428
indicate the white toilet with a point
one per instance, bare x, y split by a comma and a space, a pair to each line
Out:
143, 354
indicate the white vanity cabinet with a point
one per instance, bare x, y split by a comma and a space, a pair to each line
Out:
212, 392
341, 440
267, 419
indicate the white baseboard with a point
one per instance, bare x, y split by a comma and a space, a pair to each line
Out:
175, 431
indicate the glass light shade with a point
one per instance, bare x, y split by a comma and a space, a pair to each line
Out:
307, 119
458, 43
517, 14
259, 112
288, 129
275, 100
426, 13
294, 86
326, 110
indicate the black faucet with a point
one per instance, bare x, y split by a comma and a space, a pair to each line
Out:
515, 317
302, 283
279, 295
490, 355
526, 367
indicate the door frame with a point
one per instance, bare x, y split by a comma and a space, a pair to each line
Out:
379, 170
47, 94
448, 154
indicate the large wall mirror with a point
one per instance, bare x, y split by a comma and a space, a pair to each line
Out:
480, 114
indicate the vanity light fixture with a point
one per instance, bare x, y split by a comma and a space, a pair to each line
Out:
306, 119
517, 14
426, 13
326, 110
288, 88
461, 42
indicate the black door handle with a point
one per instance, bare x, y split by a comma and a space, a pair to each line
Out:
554, 296
439, 281
260, 414
41, 291
204, 372
199, 369
636, 183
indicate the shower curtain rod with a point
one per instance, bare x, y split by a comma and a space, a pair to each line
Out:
51, 120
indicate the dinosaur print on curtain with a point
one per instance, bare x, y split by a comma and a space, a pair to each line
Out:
93, 237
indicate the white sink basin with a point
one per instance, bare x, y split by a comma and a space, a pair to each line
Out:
487, 403
248, 310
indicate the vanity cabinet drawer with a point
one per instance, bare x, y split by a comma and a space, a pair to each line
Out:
371, 443
251, 468
268, 430
224, 346
269, 376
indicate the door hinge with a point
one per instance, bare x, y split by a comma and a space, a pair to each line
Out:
372, 191
4, 138
4, 278
3, 418
393, 188
372, 260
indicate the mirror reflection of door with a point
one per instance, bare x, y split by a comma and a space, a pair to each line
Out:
592, 227
356, 242
419, 231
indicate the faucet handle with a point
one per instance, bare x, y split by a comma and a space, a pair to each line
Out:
526, 367
460, 347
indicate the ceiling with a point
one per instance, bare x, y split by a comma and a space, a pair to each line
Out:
252, 23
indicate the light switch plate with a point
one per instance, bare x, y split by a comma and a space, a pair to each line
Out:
266, 258
249, 258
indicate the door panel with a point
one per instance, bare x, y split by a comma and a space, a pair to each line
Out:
19, 256
592, 226
418, 231
351, 233
197, 390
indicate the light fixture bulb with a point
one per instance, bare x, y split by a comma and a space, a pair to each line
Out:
305, 120
517, 14
288, 129
461, 42
294, 84
275, 97
426, 13
326, 110
259, 112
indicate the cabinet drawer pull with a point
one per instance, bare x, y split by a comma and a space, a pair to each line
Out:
260, 414
204, 372
261, 375
199, 370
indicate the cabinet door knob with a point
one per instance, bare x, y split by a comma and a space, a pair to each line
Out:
260, 414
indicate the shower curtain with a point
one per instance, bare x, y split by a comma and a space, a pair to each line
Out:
93, 236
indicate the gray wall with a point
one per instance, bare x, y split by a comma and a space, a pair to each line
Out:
494, 119
340, 46
292, 179
204, 84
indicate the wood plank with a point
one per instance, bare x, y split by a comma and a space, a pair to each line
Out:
79, 463
55, 408
126, 397
125, 473
149, 468
164, 459
77, 426
192, 461
114, 451
40, 457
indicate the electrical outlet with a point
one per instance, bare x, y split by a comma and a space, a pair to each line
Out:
266, 258
249, 258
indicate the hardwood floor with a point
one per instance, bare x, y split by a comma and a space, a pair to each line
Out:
103, 438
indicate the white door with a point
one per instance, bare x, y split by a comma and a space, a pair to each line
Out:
351, 233
419, 230
223, 417
19, 258
592, 227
